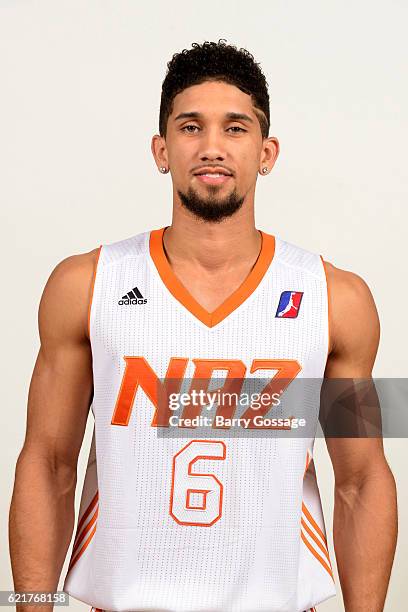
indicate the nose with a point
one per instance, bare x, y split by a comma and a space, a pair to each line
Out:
212, 145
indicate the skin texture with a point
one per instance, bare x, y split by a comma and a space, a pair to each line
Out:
212, 260
365, 508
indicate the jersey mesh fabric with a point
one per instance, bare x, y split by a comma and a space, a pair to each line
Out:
268, 550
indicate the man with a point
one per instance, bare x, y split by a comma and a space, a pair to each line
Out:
210, 521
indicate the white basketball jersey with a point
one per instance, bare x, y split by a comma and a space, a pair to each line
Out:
176, 516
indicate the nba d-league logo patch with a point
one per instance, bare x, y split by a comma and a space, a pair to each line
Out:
289, 304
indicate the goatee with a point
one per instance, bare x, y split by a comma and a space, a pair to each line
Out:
211, 208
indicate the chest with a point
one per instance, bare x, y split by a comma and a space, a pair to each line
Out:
135, 313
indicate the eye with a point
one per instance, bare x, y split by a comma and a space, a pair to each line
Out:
184, 129
236, 127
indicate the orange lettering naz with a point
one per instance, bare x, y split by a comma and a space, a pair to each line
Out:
288, 369
138, 373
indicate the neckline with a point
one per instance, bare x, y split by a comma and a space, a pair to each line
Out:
232, 302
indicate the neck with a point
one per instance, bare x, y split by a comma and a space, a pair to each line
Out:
212, 247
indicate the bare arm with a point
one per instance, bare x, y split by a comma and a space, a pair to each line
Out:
41, 519
365, 508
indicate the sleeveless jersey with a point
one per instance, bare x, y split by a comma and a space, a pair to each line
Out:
174, 519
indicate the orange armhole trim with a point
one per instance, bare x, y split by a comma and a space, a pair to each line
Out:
92, 290
328, 305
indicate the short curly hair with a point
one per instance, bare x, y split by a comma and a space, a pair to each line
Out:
215, 61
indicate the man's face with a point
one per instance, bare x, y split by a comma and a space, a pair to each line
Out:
212, 127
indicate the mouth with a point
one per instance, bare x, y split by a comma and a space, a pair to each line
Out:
213, 178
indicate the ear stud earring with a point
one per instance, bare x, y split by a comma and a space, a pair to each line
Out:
265, 170
163, 169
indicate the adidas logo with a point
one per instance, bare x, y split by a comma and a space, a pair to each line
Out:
132, 297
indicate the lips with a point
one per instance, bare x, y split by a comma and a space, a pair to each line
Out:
213, 178
213, 172
213, 175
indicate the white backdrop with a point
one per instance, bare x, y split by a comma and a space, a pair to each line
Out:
80, 92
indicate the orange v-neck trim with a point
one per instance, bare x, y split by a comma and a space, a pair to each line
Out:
178, 290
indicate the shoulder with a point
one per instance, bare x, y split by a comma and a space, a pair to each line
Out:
73, 273
67, 294
353, 318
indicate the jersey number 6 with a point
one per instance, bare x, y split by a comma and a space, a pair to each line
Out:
196, 498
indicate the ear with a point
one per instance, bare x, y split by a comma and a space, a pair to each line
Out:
269, 154
159, 150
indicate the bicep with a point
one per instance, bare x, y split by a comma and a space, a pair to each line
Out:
61, 386
356, 331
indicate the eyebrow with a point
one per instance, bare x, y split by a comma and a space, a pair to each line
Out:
232, 116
